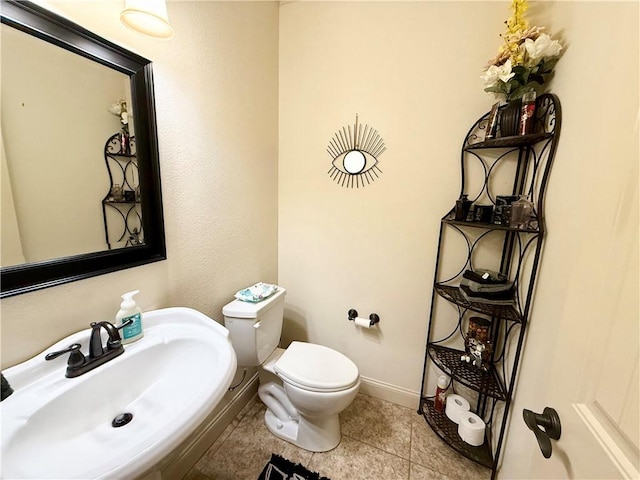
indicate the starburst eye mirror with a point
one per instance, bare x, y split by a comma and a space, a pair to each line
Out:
355, 151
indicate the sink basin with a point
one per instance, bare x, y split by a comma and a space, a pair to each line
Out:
55, 427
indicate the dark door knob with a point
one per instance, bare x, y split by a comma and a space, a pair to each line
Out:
545, 426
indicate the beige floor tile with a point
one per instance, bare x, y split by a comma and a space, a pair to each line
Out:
428, 450
378, 423
195, 473
380, 441
418, 472
243, 454
355, 460
231, 427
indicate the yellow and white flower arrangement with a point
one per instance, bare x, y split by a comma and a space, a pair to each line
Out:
524, 61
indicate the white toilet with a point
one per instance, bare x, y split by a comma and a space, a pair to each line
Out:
317, 382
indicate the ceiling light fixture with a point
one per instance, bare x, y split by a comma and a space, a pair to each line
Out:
148, 17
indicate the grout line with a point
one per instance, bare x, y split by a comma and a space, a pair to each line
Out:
383, 451
377, 448
313, 454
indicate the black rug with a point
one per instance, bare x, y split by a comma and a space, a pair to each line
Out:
280, 468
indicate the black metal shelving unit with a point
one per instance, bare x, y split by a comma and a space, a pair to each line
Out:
505, 165
125, 227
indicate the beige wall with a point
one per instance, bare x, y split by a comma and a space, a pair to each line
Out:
55, 122
10, 245
216, 98
411, 70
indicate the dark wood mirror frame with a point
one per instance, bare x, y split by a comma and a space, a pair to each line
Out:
47, 26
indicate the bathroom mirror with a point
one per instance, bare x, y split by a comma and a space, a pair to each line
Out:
137, 81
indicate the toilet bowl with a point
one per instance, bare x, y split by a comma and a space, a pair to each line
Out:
310, 384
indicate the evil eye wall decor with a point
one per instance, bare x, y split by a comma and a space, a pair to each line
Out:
355, 151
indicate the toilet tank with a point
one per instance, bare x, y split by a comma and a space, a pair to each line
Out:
255, 328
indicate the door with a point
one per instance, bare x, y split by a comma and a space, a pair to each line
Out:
582, 347
581, 350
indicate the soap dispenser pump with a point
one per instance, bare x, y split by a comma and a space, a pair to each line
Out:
129, 312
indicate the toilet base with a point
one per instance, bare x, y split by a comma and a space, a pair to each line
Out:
316, 434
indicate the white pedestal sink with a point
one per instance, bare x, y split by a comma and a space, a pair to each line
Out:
55, 427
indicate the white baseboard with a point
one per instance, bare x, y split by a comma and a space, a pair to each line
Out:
390, 393
181, 461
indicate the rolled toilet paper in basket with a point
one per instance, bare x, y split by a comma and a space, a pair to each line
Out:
471, 428
455, 406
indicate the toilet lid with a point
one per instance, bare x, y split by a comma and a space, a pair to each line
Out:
316, 367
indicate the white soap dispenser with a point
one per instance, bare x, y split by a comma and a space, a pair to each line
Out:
129, 311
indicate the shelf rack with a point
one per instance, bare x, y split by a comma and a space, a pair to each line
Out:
123, 227
515, 165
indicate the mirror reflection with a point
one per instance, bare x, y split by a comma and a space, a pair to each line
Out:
49, 176
70, 181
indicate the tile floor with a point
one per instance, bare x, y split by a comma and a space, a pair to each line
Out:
380, 441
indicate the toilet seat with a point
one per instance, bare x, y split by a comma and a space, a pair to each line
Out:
316, 368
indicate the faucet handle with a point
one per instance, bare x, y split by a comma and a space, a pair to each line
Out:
76, 358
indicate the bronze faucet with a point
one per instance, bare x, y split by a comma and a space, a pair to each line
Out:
78, 364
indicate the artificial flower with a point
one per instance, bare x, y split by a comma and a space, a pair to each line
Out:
120, 109
524, 61
542, 47
495, 74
